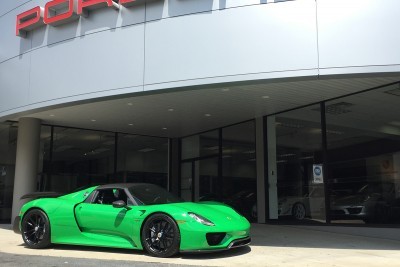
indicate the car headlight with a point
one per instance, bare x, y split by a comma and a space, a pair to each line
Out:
201, 219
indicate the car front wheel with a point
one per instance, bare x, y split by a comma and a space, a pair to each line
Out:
160, 236
299, 211
35, 228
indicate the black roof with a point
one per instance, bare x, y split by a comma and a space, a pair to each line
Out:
120, 185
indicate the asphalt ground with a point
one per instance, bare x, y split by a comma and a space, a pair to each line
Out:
272, 245
13, 260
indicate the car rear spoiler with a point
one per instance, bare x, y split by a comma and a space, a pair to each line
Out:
36, 195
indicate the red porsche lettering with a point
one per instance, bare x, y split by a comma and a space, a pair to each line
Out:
29, 20
58, 12
127, 2
85, 5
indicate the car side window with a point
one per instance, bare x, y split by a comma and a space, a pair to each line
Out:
108, 196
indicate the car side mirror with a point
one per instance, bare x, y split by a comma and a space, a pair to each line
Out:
120, 204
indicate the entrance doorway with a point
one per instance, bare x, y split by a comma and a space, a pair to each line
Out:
200, 180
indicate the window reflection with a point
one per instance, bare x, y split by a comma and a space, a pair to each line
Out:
142, 159
363, 134
80, 158
8, 140
230, 176
299, 155
239, 168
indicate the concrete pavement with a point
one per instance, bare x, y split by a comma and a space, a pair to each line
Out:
272, 245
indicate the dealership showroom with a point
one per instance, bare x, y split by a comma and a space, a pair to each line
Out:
289, 111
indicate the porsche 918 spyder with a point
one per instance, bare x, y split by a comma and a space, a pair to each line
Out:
133, 216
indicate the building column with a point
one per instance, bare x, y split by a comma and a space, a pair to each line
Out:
174, 166
272, 168
26, 164
261, 214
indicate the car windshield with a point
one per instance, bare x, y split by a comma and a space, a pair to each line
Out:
149, 194
376, 188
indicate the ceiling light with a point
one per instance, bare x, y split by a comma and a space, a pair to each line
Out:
93, 120
165, 128
265, 97
170, 109
130, 104
207, 115
51, 115
130, 124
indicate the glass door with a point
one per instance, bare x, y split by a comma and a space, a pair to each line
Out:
199, 180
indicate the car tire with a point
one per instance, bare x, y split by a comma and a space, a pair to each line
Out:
299, 211
160, 236
35, 229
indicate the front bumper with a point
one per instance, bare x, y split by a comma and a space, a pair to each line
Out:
234, 244
194, 235
16, 225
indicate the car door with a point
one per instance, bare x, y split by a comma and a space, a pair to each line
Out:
100, 220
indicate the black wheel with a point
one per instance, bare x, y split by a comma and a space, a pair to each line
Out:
35, 228
160, 236
299, 211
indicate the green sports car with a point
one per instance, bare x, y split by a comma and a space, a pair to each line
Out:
134, 216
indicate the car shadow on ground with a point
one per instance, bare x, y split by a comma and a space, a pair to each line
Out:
185, 255
6, 226
217, 254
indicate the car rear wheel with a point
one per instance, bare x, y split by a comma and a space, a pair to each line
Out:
35, 228
160, 236
299, 211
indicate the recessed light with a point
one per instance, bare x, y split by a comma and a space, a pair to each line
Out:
265, 96
130, 104
170, 109
93, 120
51, 115
225, 89
130, 124
207, 115
165, 128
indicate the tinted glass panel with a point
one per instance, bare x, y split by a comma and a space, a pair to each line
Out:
80, 158
8, 141
142, 159
299, 165
204, 144
363, 133
239, 168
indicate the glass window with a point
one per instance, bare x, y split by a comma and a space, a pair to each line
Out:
8, 142
142, 159
299, 165
80, 158
239, 168
230, 176
363, 135
204, 144
44, 168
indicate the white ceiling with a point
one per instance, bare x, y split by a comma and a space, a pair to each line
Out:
186, 112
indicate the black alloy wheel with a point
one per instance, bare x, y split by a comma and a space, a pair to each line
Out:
35, 228
161, 236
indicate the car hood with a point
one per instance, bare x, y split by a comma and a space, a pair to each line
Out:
349, 200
